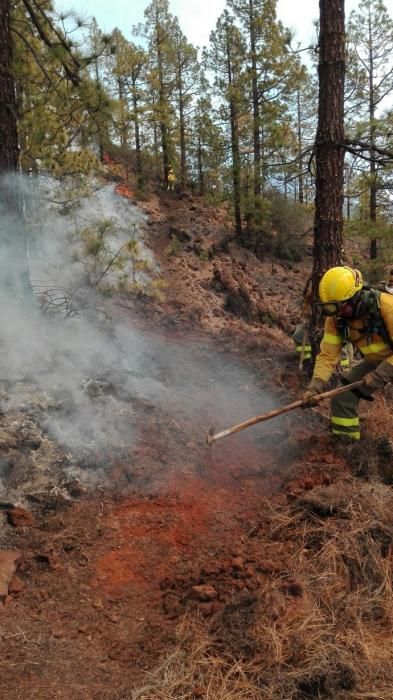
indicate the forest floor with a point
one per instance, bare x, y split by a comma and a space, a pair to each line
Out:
259, 567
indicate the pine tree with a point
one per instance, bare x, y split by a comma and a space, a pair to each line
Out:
303, 109
226, 58
9, 151
370, 32
99, 46
329, 143
187, 85
269, 72
159, 30
127, 69
207, 147
40, 27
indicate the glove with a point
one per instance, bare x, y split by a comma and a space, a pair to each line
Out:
361, 392
315, 387
379, 377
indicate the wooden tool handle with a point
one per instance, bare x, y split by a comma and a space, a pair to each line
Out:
211, 436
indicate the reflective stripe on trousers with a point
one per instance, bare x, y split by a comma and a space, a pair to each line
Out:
306, 353
344, 407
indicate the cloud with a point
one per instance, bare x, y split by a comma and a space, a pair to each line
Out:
197, 19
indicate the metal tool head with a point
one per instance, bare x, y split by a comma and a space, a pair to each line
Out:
210, 436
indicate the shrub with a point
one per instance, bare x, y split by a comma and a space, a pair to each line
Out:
290, 221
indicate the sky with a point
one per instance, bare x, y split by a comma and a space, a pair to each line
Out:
197, 18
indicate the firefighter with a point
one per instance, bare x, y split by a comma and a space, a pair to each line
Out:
302, 341
300, 335
302, 344
364, 316
171, 179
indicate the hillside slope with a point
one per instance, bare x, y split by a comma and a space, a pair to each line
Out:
159, 568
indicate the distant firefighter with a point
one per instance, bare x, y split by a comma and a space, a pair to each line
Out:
171, 179
302, 344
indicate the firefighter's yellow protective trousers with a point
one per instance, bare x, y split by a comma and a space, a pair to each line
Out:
344, 407
300, 336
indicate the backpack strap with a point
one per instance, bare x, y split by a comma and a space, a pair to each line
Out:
384, 331
375, 323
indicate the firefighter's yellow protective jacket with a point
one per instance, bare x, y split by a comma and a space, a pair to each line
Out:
372, 346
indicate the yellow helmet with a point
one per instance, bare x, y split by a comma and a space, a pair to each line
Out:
339, 284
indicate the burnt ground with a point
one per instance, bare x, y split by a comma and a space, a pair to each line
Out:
114, 552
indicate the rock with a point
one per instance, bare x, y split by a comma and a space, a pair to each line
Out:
75, 488
59, 633
20, 517
95, 388
7, 441
267, 566
204, 593
180, 233
8, 564
211, 569
16, 585
218, 312
225, 565
167, 583
172, 605
237, 564
30, 436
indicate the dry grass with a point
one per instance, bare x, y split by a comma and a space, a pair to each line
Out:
195, 670
380, 413
320, 629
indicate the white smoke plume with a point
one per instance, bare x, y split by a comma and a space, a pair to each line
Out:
90, 376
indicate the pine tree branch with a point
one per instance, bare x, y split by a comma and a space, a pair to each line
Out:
71, 74
34, 54
358, 148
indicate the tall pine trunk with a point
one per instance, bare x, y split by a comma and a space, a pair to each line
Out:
163, 105
329, 149
99, 131
300, 149
235, 145
9, 150
182, 131
255, 104
137, 134
123, 130
14, 272
373, 169
201, 176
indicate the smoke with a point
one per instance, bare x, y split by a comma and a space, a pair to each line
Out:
82, 380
